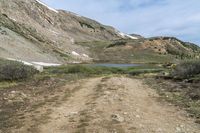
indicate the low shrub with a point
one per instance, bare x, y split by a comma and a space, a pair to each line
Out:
99, 70
186, 69
11, 70
118, 43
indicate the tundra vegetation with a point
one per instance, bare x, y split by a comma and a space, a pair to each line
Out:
11, 70
181, 86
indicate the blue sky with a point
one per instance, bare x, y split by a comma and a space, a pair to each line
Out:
179, 18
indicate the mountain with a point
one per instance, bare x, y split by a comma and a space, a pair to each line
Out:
33, 32
137, 36
143, 50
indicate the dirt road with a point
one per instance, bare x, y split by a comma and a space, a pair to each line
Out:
113, 105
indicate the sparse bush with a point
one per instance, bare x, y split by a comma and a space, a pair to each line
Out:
11, 70
118, 43
186, 69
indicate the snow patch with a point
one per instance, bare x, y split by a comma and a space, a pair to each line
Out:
123, 35
75, 53
13, 19
126, 35
46, 64
37, 67
47, 6
34, 63
132, 37
85, 55
24, 62
75, 62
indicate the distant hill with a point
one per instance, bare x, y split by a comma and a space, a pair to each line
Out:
137, 36
144, 50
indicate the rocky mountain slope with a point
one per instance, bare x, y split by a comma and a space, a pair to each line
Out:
137, 36
32, 31
142, 50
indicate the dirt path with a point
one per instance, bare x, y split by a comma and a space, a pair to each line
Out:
116, 105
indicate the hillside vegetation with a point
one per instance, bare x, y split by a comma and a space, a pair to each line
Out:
187, 69
150, 50
12, 71
181, 87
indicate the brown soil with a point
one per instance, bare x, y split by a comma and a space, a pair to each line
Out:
108, 105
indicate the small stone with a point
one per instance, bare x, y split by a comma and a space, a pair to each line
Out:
182, 126
13, 92
23, 95
187, 130
5, 98
170, 104
71, 114
125, 113
107, 92
10, 101
120, 99
159, 130
178, 129
117, 118
137, 110
137, 116
141, 126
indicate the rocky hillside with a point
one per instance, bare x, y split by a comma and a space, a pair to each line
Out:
30, 30
171, 45
137, 36
143, 50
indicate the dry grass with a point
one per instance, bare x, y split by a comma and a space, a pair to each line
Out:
186, 69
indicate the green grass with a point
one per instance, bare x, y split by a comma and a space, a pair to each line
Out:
12, 73
7, 84
89, 70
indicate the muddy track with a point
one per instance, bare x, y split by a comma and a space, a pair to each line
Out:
112, 105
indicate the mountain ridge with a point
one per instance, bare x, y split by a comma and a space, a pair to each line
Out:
57, 29
32, 31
